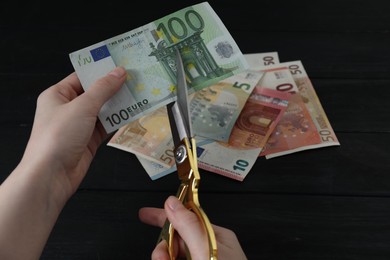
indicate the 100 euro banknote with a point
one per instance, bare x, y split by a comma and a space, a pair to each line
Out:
148, 54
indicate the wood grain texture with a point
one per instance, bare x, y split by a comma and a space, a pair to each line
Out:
329, 203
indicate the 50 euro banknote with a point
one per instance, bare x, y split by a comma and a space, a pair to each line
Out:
256, 60
296, 128
155, 170
282, 142
148, 54
213, 110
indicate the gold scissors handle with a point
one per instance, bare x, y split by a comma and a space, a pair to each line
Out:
186, 162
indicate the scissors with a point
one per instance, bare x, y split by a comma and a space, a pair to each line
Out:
186, 164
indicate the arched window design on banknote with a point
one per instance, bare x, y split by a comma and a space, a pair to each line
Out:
199, 64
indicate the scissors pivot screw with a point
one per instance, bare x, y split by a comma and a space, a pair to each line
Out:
181, 154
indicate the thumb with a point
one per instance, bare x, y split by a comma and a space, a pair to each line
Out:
105, 87
189, 227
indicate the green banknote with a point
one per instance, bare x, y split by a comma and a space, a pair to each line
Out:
148, 54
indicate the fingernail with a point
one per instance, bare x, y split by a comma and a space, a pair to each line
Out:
173, 203
118, 72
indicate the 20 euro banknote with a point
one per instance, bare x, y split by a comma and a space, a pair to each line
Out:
148, 54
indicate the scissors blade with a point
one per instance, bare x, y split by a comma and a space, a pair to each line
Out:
178, 111
175, 119
182, 94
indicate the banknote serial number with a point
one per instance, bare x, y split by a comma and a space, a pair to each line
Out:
125, 114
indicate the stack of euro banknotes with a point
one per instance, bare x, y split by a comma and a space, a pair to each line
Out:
242, 106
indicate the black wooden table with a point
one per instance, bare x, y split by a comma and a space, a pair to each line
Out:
328, 203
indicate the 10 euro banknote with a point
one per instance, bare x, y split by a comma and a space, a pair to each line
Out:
148, 54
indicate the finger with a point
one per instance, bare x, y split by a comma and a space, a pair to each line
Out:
104, 88
157, 217
160, 252
152, 216
189, 227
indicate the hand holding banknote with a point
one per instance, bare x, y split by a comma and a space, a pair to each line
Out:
62, 144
